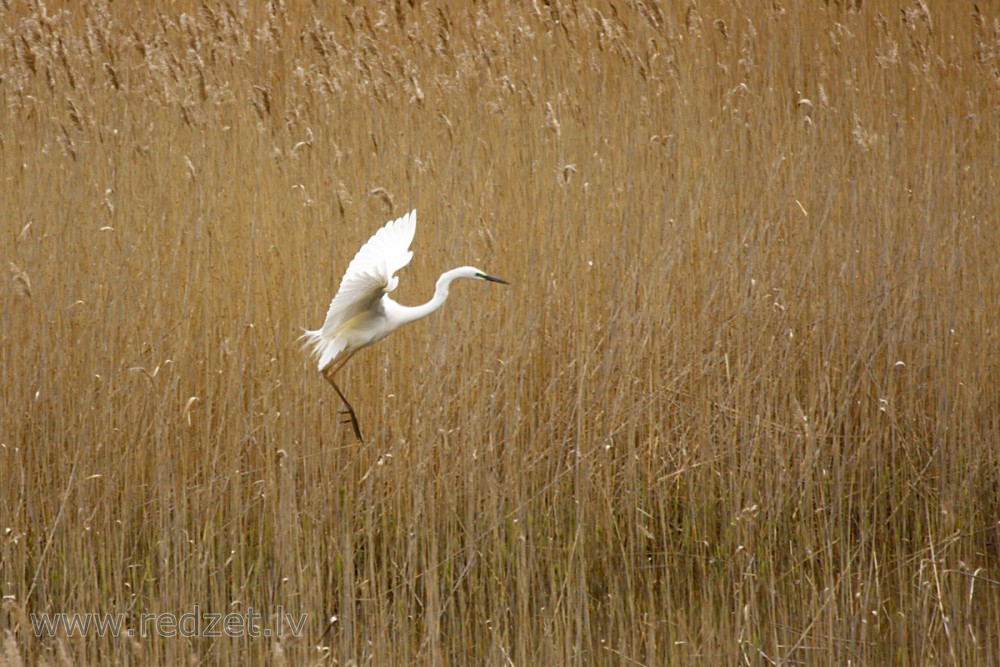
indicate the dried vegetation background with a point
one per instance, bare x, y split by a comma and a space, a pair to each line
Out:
739, 405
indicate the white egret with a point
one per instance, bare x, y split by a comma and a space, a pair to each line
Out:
362, 313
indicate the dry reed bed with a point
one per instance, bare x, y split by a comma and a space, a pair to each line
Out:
738, 406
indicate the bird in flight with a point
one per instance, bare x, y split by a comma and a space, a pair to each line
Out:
362, 313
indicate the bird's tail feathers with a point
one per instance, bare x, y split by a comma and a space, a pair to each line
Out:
320, 347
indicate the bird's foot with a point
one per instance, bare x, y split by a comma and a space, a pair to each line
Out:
353, 421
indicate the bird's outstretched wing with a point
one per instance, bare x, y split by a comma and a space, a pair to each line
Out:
371, 273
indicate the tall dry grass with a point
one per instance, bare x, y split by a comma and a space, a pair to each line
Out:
739, 406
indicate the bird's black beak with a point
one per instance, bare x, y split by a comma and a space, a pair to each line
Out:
494, 279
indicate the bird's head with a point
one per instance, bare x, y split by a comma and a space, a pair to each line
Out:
472, 273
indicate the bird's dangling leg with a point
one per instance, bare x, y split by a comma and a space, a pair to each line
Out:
350, 410
328, 374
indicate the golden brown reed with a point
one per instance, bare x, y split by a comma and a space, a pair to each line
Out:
739, 406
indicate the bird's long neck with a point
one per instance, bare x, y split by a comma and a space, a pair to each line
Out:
412, 313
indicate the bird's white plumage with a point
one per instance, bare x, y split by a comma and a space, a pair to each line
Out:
369, 277
371, 273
